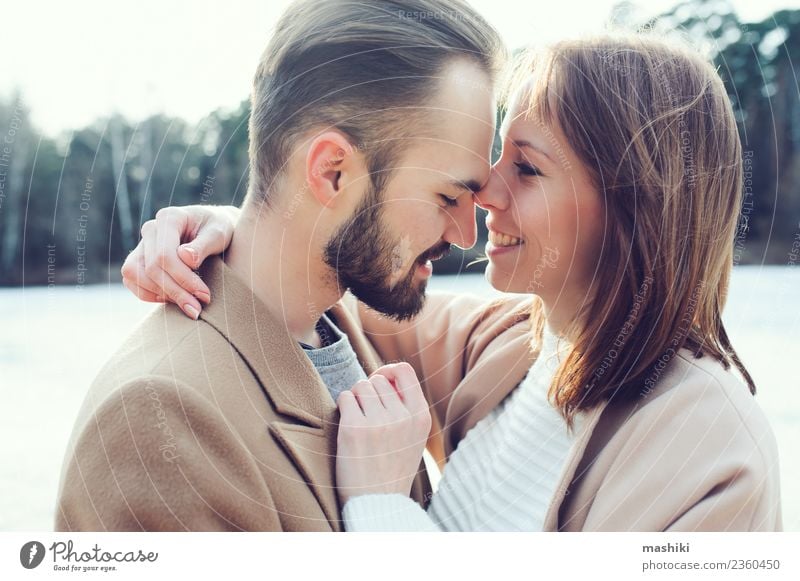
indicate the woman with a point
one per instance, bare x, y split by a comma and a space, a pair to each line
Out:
608, 400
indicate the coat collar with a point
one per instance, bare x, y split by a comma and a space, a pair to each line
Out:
568, 473
286, 375
285, 372
313, 452
349, 326
484, 387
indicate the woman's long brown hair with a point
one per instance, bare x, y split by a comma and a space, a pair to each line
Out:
652, 122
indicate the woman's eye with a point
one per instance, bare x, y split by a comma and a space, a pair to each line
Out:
449, 201
527, 170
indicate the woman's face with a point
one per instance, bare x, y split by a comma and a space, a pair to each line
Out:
546, 218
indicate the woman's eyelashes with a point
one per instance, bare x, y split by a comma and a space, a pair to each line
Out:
525, 169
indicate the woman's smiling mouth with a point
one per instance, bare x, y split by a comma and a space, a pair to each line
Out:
501, 240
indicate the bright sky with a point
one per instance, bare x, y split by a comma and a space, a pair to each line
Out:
78, 60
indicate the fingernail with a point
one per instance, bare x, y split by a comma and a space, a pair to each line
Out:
203, 296
191, 311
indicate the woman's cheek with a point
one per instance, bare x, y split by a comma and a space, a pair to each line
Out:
546, 274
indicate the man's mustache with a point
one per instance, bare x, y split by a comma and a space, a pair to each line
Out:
435, 253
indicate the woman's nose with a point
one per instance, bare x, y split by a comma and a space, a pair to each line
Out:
494, 194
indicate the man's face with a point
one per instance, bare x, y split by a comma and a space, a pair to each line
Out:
383, 252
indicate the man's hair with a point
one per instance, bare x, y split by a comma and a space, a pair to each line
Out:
368, 68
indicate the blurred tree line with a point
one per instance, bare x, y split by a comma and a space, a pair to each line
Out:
71, 206
759, 64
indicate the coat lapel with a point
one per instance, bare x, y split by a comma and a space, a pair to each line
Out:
494, 377
486, 385
285, 373
313, 452
582, 438
287, 378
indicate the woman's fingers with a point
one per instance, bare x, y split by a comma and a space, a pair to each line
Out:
144, 282
380, 443
173, 245
212, 238
174, 225
350, 413
368, 399
135, 279
157, 262
142, 293
132, 269
387, 394
404, 379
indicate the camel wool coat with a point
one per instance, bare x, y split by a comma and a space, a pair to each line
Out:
210, 425
694, 453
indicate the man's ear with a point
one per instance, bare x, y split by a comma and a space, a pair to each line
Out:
330, 154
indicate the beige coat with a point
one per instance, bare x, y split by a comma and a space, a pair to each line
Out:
220, 424
694, 454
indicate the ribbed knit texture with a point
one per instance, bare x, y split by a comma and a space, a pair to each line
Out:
501, 477
336, 362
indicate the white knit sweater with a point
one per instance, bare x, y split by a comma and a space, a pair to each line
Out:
501, 477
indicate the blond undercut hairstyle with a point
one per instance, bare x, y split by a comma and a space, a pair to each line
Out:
368, 68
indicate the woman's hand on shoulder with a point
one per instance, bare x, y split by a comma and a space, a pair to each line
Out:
173, 245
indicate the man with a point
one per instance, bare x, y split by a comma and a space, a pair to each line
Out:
371, 127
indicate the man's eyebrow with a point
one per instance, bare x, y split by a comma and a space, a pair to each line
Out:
520, 143
471, 186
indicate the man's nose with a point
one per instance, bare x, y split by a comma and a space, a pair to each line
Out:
462, 229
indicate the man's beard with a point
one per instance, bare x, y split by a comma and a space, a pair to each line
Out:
366, 260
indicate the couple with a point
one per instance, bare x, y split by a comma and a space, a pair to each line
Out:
603, 394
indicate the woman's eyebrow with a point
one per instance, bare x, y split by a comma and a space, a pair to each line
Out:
521, 143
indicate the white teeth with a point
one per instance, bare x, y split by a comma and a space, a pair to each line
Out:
503, 239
